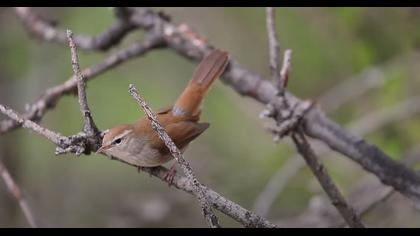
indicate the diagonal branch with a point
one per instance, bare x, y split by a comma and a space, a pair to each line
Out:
198, 189
52, 95
54, 137
224, 205
17, 194
337, 199
45, 30
365, 197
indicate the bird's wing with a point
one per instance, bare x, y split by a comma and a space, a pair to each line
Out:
182, 133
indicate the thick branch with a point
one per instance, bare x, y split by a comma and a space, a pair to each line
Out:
198, 189
337, 199
17, 194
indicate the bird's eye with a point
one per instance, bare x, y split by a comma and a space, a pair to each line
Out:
117, 141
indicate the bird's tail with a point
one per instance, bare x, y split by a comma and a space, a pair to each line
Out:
209, 69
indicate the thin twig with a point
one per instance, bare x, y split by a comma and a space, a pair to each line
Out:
337, 199
365, 197
45, 30
285, 69
17, 194
49, 99
89, 126
274, 48
199, 190
78, 143
54, 137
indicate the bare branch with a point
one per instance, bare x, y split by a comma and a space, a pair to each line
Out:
285, 69
368, 194
198, 189
54, 137
75, 144
337, 199
49, 99
17, 194
46, 31
89, 126
224, 205
298, 137
274, 48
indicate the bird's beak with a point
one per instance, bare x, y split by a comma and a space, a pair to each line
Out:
102, 149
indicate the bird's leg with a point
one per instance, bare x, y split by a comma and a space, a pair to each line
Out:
170, 175
141, 168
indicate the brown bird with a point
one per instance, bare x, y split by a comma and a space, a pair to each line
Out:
140, 145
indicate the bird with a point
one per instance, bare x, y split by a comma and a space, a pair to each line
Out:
138, 144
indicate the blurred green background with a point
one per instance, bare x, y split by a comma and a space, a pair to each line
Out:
236, 156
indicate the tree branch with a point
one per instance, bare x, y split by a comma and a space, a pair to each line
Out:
54, 137
274, 48
17, 194
198, 189
49, 99
45, 30
297, 135
363, 126
224, 205
337, 199
89, 126
365, 197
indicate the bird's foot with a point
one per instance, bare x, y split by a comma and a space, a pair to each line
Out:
170, 175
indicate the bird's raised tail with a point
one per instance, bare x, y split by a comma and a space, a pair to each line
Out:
209, 69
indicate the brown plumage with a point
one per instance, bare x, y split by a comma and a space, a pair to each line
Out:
139, 144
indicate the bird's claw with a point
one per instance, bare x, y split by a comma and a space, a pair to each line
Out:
170, 175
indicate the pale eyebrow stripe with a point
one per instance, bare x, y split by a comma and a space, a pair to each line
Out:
123, 134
